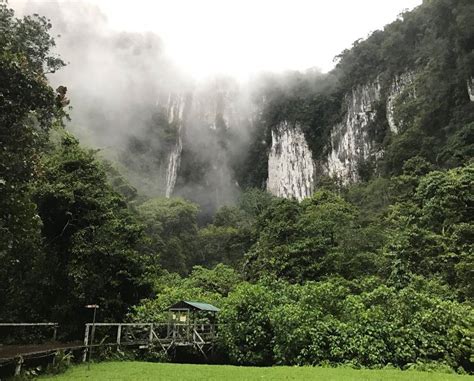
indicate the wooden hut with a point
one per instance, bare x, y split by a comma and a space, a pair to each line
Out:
192, 323
187, 311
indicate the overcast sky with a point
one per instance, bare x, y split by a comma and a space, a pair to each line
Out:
241, 37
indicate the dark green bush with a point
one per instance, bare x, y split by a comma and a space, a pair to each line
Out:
327, 321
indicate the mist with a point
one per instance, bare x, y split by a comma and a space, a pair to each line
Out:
167, 132
112, 77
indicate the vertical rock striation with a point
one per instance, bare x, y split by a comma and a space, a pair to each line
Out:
214, 125
290, 163
214, 136
349, 141
175, 111
470, 88
399, 84
291, 169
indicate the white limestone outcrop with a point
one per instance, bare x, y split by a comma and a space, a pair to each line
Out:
399, 84
350, 142
290, 163
175, 112
470, 88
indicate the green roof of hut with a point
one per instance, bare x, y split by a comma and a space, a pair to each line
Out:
194, 306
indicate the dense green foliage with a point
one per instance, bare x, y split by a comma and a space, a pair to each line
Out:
231, 234
89, 236
210, 285
67, 238
431, 232
177, 243
371, 275
364, 323
318, 237
171, 226
27, 110
380, 274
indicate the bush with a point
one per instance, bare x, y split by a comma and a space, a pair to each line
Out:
331, 322
246, 332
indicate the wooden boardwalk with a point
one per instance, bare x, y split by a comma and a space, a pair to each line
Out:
165, 336
9, 352
148, 336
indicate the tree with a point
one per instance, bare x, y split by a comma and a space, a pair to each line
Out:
27, 110
246, 330
90, 239
275, 229
430, 234
222, 244
316, 238
221, 279
230, 236
205, 285
172, 228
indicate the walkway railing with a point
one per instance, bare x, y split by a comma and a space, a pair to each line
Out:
54, 326
165, 335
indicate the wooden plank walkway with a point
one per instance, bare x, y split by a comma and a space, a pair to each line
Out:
9, 352
162, 334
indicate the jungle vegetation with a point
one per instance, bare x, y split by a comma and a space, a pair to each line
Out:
372, 274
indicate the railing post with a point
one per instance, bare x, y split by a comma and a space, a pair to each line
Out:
150, 335
19, 363
119, 333
55, 332
86, 343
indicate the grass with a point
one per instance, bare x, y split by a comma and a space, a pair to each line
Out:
121, 371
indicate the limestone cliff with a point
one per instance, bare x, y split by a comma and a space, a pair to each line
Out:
175, 112
349, 142
291, 168
213, 135
212, 126
290, 163
470, 88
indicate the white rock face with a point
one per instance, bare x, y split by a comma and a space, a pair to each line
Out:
399, 84
349, 140
290, 163
212, 125
173, 167
291, 170
350, 143
470, 88
175, 111
175, 107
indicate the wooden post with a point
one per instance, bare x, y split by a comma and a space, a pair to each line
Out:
119, 333
92, 338
169, 330
91, 306
55, 332
86, 343
150, 335
188, 325
19, 363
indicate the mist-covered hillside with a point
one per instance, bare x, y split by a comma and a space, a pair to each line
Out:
405, 91
328, 215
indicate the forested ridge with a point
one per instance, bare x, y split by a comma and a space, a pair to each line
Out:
433, 45
378, 273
